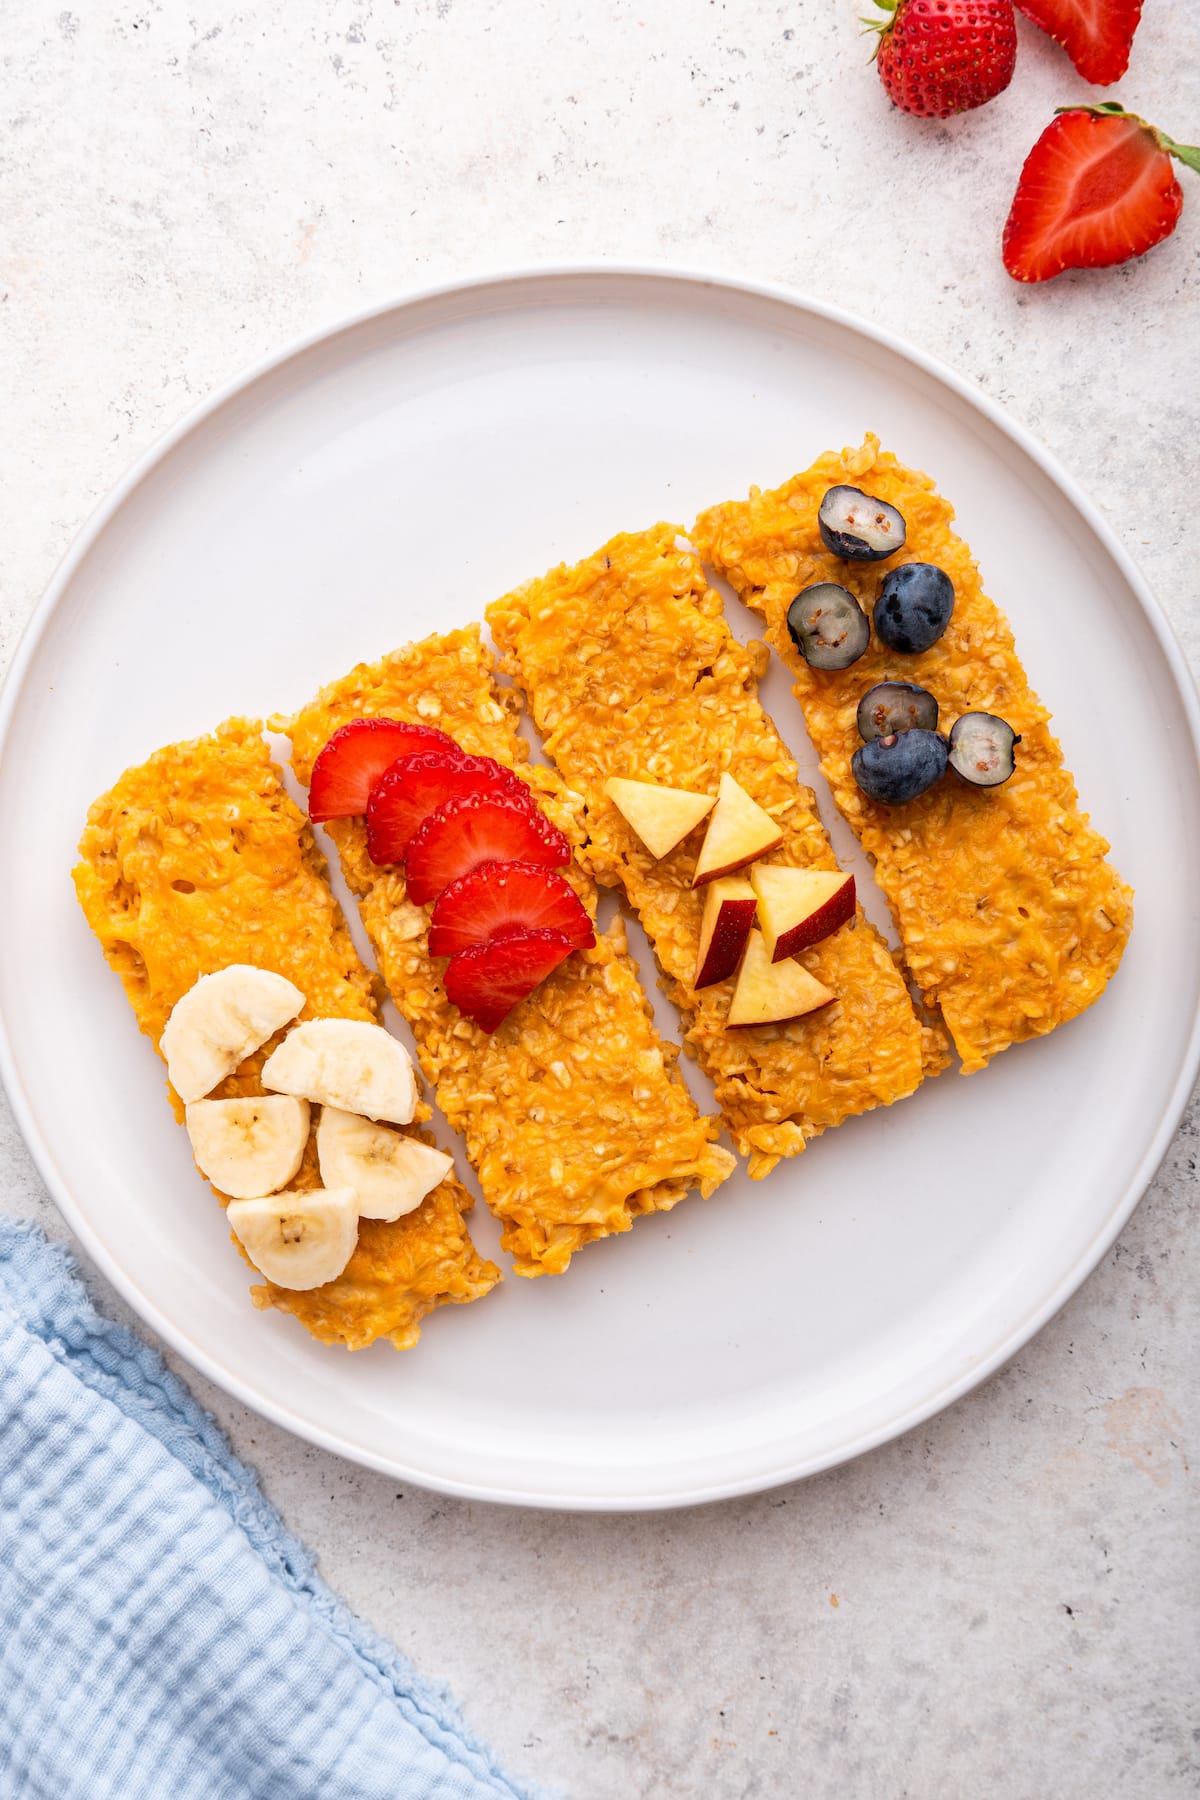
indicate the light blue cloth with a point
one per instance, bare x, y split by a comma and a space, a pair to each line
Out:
161, 1635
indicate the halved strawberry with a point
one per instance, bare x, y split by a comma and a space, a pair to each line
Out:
488, 980
479, 828
496, 897
1097, 188
415, 786
1096, 34
355, 757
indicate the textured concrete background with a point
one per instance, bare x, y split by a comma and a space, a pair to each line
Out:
1002, 1604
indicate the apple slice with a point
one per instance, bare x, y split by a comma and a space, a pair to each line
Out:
729, 904
738, 831
799, 907
768, 992
661, 816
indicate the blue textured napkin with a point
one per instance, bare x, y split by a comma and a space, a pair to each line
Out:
160, 1633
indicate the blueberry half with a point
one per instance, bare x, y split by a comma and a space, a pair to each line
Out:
982, 749
895, 769
892, 706
859, 527
914, 607
828, 626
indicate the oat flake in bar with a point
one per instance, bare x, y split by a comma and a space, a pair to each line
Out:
198, 859
1011, 920
574, 1116
631, 670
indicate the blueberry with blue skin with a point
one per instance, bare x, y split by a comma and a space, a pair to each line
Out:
828, 626
892, 706
914, 607
859, 527
893, 770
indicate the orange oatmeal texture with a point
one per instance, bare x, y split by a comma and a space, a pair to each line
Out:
631, 670
1011, 920
574, 1115
198, 859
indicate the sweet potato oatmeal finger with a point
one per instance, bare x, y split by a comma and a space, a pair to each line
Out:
574, 1116
197, 860
1011, 919
630, 670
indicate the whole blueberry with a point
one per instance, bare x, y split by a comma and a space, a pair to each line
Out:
914, 607
895, 769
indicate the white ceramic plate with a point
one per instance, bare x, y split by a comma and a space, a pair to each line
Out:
392, 476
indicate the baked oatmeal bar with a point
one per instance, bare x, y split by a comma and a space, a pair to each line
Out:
631, 670
196, 860
575, 1118
1011, 920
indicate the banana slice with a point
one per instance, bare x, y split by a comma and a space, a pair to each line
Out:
220, 1021
390, 1174
298, 1240
347, 1063
248, 1147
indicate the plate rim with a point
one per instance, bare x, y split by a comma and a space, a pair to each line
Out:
497, 283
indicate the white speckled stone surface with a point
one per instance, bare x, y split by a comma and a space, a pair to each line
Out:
1003, 1604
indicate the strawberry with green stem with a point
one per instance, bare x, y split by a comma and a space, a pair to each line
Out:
1097, 188
940, 57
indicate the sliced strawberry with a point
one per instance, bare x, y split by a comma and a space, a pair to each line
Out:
1097, 188
415, 786
479, 828
497, 898
488, 980
1096, 34
355, 757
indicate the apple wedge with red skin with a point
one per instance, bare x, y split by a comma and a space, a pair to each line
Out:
738, 831
799, 907
661, 816
729, 904
768, 993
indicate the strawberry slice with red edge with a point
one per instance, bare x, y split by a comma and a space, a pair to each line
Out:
479, 828
354, 758
488, 980
415, 786
1097, 35
499, 897
1097, 188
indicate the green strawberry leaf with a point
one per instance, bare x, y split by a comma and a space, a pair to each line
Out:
880, 27
1184, 153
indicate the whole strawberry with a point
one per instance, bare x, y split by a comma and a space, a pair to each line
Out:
939, 57
1097, 188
